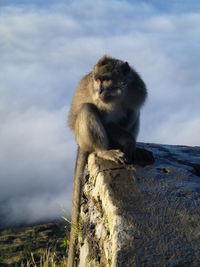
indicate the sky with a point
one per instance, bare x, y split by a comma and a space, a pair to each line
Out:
46, 47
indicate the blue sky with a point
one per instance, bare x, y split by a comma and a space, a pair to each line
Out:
46, 47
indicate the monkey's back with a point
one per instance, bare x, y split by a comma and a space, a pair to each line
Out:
82, 95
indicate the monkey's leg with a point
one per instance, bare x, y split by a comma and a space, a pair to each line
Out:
123, 140
144, 157
91, 134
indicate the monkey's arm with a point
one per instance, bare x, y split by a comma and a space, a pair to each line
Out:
91, 134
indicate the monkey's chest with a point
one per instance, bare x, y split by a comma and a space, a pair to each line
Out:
116, 116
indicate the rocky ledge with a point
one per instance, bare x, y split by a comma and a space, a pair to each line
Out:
148, 215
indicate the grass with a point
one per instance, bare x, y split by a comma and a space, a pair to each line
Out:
48, 259
37, 246
34, 246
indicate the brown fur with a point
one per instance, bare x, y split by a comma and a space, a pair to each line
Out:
104, 116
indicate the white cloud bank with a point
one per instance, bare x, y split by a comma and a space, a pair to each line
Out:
45, 49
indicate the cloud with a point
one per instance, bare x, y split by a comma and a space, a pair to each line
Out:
29, 209
36, 162
45, 50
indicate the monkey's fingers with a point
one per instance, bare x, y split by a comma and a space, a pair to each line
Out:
118, 156
115, 155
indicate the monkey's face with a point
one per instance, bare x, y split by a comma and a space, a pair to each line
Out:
110, 81
106, 90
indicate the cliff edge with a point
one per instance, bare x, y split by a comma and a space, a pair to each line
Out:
142, 216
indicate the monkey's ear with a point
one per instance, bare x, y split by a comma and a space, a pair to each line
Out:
125, 68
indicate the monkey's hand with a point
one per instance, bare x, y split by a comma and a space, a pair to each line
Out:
115, 155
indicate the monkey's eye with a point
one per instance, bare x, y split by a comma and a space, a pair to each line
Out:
107, 83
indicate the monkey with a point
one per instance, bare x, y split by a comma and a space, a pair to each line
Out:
105, 118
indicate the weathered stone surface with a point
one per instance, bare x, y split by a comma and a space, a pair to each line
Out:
149, 216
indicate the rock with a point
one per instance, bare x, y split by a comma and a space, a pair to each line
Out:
143, 216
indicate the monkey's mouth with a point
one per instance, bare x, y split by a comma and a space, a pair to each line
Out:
107, 95
106, 98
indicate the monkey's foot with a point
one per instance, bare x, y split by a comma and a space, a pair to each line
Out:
115, 155
143, 157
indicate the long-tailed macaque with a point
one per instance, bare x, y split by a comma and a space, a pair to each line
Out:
105, 116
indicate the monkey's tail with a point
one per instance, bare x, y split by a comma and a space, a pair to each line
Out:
81, 161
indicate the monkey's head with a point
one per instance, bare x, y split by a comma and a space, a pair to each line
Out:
110, 79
